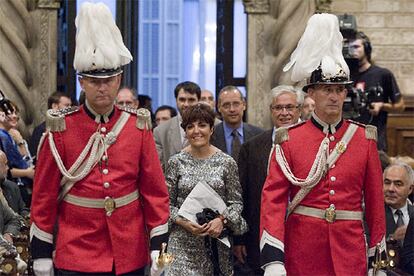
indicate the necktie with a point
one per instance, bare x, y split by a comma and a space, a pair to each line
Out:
400, 218
235, 145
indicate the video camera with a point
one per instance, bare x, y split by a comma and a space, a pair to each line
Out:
357, 101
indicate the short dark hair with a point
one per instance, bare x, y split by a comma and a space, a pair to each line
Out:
366, 43
8, 106
189, 87
55, 98
173, 111
200, 112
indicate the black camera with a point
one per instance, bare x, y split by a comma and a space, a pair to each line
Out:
348, 29
358, 101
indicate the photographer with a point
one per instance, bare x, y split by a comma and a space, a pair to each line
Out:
378, 80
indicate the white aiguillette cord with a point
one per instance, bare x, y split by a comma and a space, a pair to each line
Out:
320, 166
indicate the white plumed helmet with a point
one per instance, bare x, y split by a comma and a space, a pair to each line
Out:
100, 51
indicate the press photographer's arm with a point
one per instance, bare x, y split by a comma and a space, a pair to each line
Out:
398, 106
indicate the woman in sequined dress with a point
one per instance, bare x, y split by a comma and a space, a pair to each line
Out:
202, 162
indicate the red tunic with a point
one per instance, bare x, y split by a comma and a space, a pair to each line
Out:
312, 246
87, 239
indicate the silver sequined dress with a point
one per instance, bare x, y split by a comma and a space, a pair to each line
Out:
183, 173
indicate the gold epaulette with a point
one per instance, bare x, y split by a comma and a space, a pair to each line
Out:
370, 130
282, 134
143, 116
55, 119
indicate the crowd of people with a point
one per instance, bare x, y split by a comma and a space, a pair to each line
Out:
109, 184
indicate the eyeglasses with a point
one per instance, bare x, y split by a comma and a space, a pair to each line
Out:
125, 103
289, 107
229, 105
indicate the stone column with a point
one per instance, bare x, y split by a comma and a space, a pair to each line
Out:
274, 28
257, 69
28, 39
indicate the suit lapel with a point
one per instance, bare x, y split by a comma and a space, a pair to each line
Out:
247, 132
267, 147
174, 136
390, 222
219, 139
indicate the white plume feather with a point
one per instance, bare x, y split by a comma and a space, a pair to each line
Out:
99, 43
320, 44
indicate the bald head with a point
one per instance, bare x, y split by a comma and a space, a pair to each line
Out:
127, 96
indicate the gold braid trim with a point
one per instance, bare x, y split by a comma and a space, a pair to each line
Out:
143, 116
281, 135
144, 119
371, 132
55, 119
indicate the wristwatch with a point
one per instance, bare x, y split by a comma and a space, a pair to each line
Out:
223, 219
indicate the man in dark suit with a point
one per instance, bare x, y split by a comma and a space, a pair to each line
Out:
285, 109
56, 101
232, 132
398, 184
407, 254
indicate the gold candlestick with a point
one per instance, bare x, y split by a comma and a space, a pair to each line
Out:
164, 259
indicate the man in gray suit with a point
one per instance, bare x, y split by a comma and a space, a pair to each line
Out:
398, 184
285, 109
232, 132
169, 136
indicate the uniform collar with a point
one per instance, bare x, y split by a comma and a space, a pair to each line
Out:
326, 128
104, 118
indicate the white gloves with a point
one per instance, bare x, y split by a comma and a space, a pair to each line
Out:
155, 270
21, 265
43, 267
275, 270
379, 272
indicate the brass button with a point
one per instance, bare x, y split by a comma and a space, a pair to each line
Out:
109, 205
332, 192
332, 138
105, 171
333, 178
104, 158
103, 129
106, 185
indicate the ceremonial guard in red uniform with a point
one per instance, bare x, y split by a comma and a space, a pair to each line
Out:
99, 200
323, 174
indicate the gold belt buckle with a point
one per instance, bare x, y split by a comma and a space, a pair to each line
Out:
109, 205
330, 214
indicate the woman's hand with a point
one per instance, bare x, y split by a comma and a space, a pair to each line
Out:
215, 227
193, 228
